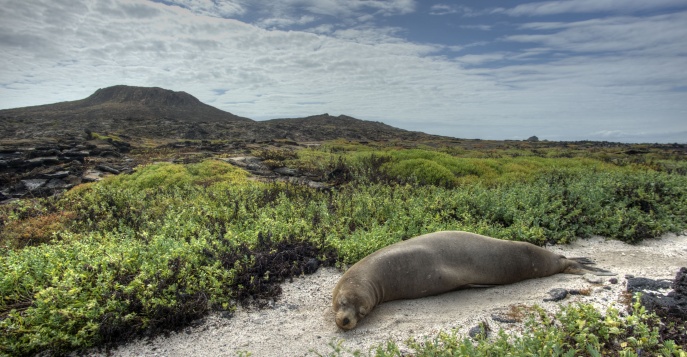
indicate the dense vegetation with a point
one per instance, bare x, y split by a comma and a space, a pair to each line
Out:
137, 254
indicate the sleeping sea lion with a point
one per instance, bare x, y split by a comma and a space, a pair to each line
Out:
439, 262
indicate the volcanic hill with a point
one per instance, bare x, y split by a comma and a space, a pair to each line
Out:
151, 112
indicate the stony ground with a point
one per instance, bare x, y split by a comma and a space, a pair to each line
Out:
301, 322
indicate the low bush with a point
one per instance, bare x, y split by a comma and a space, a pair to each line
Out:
422, 171
165, 175
155, 249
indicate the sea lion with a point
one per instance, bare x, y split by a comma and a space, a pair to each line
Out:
439, 262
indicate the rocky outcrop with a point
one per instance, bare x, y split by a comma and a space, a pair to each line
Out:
257, 167
40, 169
671, 304
53, 167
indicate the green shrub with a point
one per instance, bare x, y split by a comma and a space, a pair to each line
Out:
165, 175
422, 171
275, 154
66, 296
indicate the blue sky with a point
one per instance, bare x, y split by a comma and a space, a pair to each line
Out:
611, 70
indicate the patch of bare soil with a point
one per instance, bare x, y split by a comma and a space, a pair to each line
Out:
301, 323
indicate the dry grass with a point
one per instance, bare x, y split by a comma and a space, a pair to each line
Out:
34, 230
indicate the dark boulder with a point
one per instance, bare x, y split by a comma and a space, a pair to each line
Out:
33, 184
42, 152
311, 266
16, 163
56, 175
672, 304
286, 171
105, 168
57, 184
479, 332
680, 283
43, 161
644, 284
121, 146
76, 155
557, 294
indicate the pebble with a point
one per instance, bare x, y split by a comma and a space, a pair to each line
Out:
593, 279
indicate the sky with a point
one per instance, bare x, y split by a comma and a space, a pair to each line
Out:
606, 70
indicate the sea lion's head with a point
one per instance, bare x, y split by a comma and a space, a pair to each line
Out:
350, 307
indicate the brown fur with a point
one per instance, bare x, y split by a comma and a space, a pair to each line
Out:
439, 262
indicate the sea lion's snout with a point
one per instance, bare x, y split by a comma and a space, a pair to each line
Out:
346, 308
345, 323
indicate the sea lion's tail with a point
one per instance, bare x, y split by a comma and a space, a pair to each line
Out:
581, 266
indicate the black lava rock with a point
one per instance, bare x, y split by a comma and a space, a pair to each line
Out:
557, 294
644, 284
311, 266
674, 304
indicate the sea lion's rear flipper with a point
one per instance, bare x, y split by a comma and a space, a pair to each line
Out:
581, 266
583, 260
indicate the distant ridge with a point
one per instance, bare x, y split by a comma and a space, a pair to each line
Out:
152, 112
328, 127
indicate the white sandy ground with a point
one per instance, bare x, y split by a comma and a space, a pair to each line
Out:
301, 323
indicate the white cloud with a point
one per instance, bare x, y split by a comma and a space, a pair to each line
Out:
323, 29
449, 9
609, 134
263, 70
615, 73
443, 9
385, 7
476, 27
341, 9
662, 33
370, 35
543, 8
223, 8
276, 23
480, 59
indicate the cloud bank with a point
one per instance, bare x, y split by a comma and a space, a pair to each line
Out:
618, 76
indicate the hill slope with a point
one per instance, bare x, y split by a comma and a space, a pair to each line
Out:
150, 112
328, 127
135, 111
